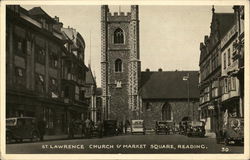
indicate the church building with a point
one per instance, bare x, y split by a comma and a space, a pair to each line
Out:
128, 93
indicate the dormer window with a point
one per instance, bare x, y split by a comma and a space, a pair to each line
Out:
118, 36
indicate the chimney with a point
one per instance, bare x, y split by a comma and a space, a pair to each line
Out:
147, 70
56, 19
160, 70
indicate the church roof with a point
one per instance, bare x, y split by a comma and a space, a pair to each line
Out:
169, 85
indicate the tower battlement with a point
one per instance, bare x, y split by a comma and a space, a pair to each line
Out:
118, 16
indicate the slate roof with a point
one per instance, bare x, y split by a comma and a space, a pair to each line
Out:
225, 20
168, 85
38, 12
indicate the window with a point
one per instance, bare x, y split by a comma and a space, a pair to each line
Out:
53, 60
40, 55
225, 61
118, 36
229, 84
81, 95
225, 86
19, 45
40, 83
66, 92
166, 112
233, 83
20, 77
53, 88
229, 57
48, 116
118, 65
148, 108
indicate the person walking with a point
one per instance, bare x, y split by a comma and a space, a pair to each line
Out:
41, 126
87, 127
71, 129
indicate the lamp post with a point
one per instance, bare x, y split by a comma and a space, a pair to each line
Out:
186, 78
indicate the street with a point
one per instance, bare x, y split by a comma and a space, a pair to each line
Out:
126, 144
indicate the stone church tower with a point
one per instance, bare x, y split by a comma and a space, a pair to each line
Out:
120, 64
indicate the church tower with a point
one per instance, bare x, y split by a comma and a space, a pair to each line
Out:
120, 64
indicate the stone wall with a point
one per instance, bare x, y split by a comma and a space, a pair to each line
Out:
179, 110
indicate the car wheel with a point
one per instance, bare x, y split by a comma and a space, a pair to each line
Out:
8, 138
35, 137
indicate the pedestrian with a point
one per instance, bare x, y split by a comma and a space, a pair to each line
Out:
127, 124
41, 125
99, 128
71, 129
87, 127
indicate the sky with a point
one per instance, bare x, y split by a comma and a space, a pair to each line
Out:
170, 36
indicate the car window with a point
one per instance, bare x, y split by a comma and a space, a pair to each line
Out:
20, 122
10, 122
28, 121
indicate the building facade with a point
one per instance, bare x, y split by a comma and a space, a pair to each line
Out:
128, 93
35, 74
120, 64
210, 68
221, 83
169, 96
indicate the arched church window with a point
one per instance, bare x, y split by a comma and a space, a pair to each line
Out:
118, 36
166, 112
118, 65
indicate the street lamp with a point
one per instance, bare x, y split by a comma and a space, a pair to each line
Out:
186, 78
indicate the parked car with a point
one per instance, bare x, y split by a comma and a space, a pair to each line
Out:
183, 127
196, 128
170, 127
137, 126
232, 131
110, 127
19, 128
161, 127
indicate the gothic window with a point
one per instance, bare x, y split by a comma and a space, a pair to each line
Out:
118, 65
166, 112
118, 36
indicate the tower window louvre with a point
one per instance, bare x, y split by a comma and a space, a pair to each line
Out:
118, 65
118, 36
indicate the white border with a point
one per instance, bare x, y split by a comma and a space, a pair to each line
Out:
125, 156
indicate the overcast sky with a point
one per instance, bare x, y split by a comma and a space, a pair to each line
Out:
170, 36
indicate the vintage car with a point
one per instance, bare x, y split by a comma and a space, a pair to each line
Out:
195, 128
19, 128
137, 126
161, 127
110, 127
170, 127
232, 131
